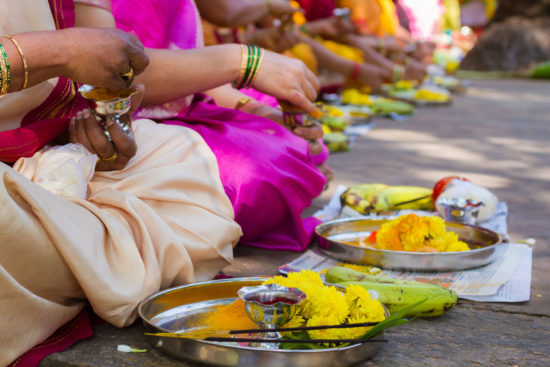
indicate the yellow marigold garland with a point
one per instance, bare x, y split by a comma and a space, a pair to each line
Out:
326, 305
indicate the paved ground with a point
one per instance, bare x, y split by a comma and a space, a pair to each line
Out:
498, 135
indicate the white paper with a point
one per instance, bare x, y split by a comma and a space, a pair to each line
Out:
517, 288
507, 279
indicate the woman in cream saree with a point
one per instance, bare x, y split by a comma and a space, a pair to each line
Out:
145, 227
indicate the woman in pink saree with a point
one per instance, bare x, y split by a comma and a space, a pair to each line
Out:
267, 171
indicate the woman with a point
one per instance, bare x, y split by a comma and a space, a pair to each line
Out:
142, 227
267, 171
147, 220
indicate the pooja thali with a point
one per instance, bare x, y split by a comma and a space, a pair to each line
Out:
331, 234
178, 309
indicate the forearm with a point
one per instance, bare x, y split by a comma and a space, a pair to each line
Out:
173, 74
369, 54
46, 54
328, 59
232, 13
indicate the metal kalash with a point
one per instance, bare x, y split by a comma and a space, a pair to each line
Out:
108, 106
270, 306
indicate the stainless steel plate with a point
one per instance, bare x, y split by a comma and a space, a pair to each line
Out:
174, 309
482, 241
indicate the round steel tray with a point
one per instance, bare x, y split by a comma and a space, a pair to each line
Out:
482, 241
173, 310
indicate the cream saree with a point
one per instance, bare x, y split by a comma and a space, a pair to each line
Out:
163, 220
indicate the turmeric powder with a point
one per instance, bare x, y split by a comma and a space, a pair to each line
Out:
229, 317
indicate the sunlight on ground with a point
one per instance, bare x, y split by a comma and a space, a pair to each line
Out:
486, 180
521, 145
495, 95
401, 136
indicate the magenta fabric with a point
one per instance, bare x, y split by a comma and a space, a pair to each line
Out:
75, 330
267, 172
317, 9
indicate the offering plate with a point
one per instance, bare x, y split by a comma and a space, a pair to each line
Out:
175, 309
333, 234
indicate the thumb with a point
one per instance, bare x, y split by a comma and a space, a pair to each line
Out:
137, 98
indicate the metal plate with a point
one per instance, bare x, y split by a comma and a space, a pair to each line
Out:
173, 309
482, 241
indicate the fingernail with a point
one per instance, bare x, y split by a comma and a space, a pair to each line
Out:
110, 122
79, 115
72, 121
86, 114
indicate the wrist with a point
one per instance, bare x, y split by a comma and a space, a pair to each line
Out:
62, 54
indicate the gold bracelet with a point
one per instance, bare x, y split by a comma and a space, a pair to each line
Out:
25, 65
244, 59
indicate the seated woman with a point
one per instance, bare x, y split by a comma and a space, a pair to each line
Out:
266, 169
155, 214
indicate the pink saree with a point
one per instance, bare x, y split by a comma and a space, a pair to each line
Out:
266, 171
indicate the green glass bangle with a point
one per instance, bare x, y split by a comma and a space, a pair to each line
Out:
5, 83
255, 64
248, 66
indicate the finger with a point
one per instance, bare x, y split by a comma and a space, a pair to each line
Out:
309, 90
299, 100
80, 136
137, 56
104, 149
124, 143
137, 99
315, 147
313, 80
310, 132
72, 130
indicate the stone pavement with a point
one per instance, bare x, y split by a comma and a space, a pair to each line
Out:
498, 135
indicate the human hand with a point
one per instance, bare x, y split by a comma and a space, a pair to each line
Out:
275, 39
371, 76
113, 155
101, 56
333, 27
415, 71
288, 79
279, 8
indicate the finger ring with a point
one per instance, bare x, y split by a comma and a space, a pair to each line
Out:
111, 158
129, 75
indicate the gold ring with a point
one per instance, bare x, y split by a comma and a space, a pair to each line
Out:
129, 75
111, 158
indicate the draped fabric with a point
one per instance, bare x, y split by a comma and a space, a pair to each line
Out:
267, 172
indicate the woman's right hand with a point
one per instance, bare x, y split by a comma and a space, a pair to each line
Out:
101, 56
288, 79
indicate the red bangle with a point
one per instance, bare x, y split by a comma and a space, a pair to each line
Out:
356, 71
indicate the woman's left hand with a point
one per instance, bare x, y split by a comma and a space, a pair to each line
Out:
113, 155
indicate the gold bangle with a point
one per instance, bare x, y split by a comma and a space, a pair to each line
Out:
25, 65
111, 158
257, 67
244, 59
